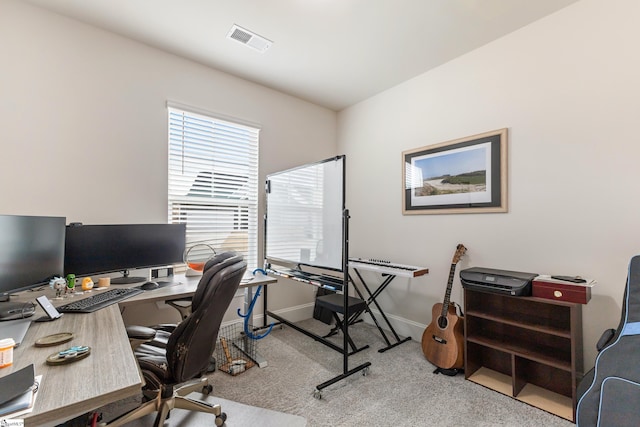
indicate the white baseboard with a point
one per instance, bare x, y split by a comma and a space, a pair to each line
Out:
403, 327
293, 314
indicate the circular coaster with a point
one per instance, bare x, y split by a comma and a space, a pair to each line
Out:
56, 359
54, 339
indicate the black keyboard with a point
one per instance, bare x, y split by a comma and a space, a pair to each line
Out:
98, 301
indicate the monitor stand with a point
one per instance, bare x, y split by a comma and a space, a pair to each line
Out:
126, 279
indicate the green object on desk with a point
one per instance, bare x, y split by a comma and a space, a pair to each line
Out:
71, 281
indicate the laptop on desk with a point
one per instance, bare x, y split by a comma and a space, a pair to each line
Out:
15, 329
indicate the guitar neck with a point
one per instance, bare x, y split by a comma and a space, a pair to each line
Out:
447, 295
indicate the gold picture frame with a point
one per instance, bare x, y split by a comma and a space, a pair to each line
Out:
465, 175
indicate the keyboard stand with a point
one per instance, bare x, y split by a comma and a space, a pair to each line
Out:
371, 299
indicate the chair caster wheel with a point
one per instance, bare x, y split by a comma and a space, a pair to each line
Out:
220, 419
365, 371
207, 389
317, 394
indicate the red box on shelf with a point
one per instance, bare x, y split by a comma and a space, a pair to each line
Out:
562, 290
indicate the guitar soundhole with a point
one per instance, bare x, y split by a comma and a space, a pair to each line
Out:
443, 322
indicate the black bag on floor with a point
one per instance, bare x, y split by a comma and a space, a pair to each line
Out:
609, 394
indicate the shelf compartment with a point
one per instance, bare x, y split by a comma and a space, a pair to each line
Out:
493, 380
547, 316
542, 375
550, 330
539, 347
547, 400
520, 351
478, 356
531, 394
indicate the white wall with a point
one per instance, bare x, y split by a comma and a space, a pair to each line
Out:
83, 120
567, 89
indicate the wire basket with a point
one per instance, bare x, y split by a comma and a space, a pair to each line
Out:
235, 352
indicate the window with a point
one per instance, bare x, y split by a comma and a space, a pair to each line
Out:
213, 182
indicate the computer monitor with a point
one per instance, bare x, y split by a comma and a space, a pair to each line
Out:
101, 249
31, 252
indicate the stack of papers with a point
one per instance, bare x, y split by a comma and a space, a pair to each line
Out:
17, 392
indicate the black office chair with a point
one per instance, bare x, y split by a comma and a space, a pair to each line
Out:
177, 370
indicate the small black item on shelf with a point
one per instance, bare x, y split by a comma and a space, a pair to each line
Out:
574, 279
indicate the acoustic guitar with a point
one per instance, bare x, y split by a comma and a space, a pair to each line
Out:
443, 339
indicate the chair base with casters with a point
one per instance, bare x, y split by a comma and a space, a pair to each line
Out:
168, 398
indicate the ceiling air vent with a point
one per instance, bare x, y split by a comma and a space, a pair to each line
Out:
249, 39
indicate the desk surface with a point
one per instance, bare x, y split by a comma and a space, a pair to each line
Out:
110, 373
183, 287
70, 390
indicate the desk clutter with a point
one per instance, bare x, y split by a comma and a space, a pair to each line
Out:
19, 389
98, 301
18, 392
571, 289
54, 339
517, 283
70, 355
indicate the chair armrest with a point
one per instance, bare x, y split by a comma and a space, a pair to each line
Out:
140, 332
183, 305
167, 327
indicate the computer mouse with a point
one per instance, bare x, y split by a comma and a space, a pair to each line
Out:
148, 286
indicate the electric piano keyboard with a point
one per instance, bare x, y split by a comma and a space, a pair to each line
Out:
387, 267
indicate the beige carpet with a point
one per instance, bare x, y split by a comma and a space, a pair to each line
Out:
238, 415
400, 388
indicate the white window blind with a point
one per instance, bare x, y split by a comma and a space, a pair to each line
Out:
213, 182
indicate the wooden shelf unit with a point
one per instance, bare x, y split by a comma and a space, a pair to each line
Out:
525, 347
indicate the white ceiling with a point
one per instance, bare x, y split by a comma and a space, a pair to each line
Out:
334, 53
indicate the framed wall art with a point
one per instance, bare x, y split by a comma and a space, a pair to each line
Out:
466, 175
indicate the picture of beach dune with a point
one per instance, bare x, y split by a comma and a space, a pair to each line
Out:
452, 173
471, 182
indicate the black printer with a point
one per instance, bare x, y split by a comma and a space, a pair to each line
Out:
505, 282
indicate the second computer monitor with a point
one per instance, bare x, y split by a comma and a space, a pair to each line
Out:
99, 249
